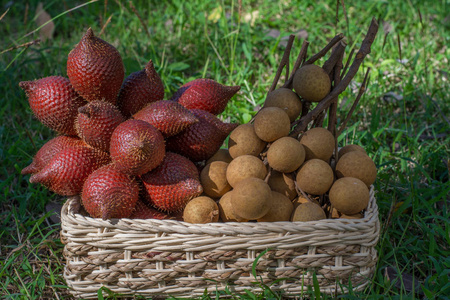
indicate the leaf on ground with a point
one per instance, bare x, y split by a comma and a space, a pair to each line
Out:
387, 27
251, 17
215, 14
399, 204
56, 208
273, 33
169, 25
302, 34
407, 281
42, 17
392, 97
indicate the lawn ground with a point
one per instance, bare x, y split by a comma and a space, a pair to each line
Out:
403, 120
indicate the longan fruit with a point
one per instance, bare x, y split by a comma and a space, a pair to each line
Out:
271, 123
286, 155
201, 210
315, 177
286, 99
245, 166
312, 83
244, 141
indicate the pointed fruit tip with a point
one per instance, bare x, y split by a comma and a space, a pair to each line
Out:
150, 68
36, 178
29, 169
25, 85
89, 34
234, 88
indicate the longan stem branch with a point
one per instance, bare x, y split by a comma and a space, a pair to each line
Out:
324, 51
361, 91
339, 49
349, 59
336, 55
284, 61
318, 122
338, 89
300, 58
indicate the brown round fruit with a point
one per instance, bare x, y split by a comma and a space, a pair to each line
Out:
221, 155
245, 166
349, 195
357, 164
318, 143
280, 209
308, 212
272, 123
286, 155
226, 209
311, 83
285, 99
244, 141
350, 148
315, 177
282, 183
301, 199
201, 210
213, 178
251, 198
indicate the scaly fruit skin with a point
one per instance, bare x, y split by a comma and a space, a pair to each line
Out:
69, 168
96, 122
142, 211
139, 89
173, 183
109, 193
137, 147
54, 102
49, 149
201, 140
95, 69
225, 128
167, 116
205, 94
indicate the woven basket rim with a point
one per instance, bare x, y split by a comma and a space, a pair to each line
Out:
71, 208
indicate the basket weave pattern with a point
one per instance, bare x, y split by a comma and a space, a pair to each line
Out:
167, 257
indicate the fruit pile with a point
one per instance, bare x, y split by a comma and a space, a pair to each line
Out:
131, 154
125, 150
269, 176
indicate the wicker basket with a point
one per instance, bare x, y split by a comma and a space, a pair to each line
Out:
167, 257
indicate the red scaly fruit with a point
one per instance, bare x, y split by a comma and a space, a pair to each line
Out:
140, 89
205, 94
225, 128
95, 69
137, 147
201, 140
49, 149
169, 117
143, 211
68, 169
54, 102
171, 185
96, 122
109, 193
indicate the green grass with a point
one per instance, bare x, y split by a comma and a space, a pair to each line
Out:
406, 135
